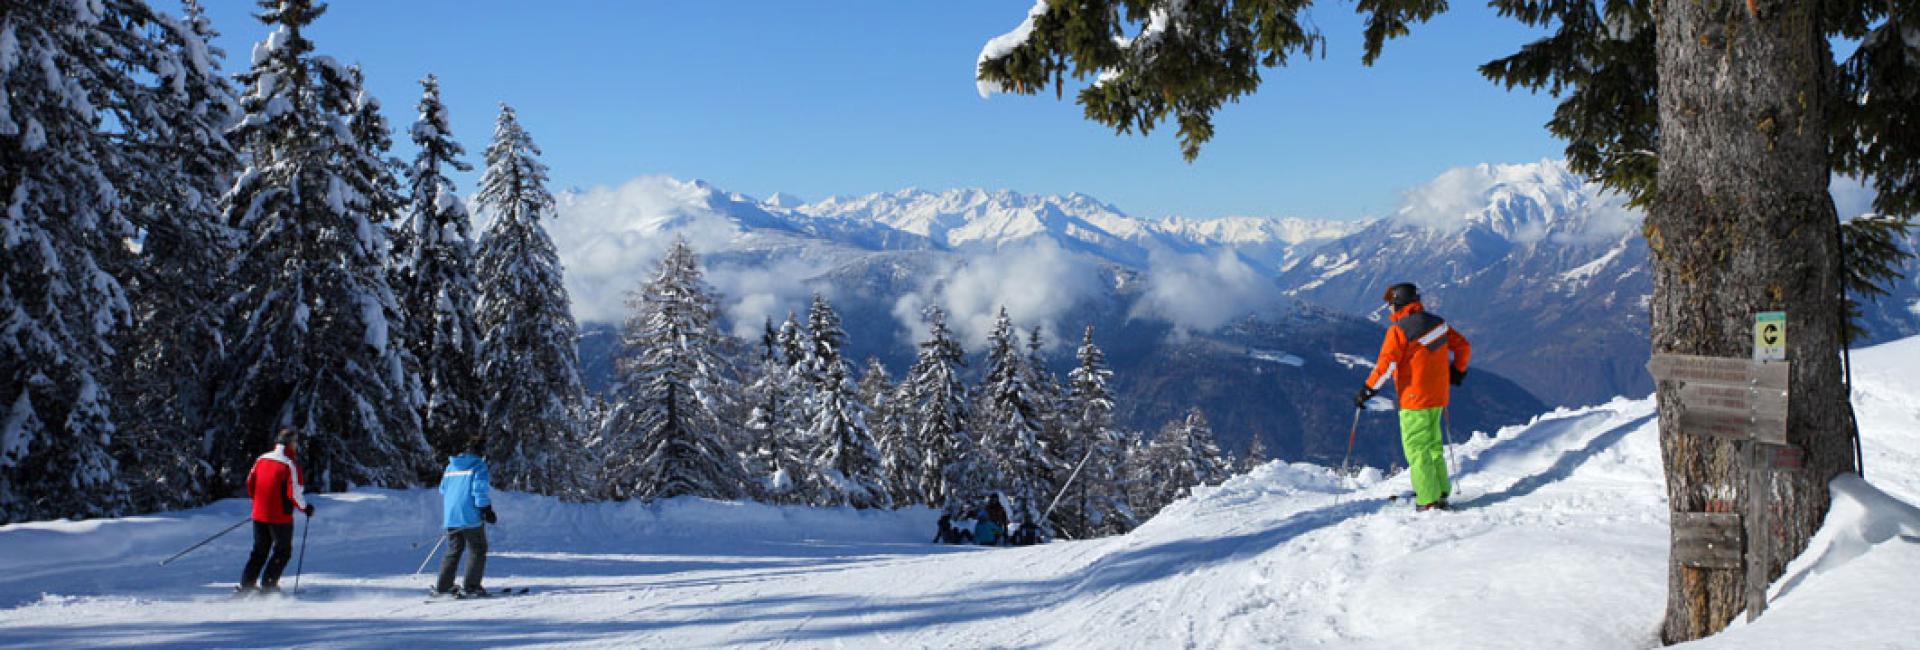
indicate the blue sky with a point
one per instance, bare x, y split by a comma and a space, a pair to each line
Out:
818, 98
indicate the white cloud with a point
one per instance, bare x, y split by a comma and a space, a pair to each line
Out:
752, 293
1445, 202
1200, 292
1037, 282
610, 240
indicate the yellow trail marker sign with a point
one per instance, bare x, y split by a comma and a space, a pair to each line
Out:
1770, 336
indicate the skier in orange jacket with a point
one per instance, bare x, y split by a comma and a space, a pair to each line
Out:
1415, 355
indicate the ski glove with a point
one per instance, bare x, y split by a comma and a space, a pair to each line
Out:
308, 510
487, 514
1360, 401
1455, 375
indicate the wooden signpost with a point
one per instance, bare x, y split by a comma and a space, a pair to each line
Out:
1745, 401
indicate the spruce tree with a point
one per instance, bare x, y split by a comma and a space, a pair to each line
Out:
774, 457
175, 163
844, 463
845, 468
1185, 455
1093, 503
533, 405
1256, 454
892, 432
61, 260
665, 437
1012, 425
433, 272
950, 469
311, 343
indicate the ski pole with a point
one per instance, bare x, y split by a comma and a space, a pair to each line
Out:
302, 564
1351, 432
430, 554
206, 541
1446, 435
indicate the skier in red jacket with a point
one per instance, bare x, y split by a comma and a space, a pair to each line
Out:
275, 487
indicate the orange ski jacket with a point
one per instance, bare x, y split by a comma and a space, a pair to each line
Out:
1415, 356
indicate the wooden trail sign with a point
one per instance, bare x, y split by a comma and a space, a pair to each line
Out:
1707, 540
1727, 398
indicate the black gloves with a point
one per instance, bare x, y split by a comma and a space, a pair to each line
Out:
1360, 401
1455, 375
487, 514
308, 510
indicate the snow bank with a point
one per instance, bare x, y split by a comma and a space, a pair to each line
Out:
1852, 588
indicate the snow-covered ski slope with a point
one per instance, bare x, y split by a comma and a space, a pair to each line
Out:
1560, 543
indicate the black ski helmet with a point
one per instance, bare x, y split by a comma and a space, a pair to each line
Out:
1401, 295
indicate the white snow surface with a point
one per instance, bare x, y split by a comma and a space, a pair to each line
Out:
1559, 542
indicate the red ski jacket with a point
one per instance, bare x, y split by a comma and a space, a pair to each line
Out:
274, 485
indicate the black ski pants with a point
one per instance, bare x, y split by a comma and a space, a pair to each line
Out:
458, 542
272, 547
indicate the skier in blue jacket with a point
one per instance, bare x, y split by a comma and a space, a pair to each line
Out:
467, 508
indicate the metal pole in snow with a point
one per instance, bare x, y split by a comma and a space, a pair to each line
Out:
1069, 483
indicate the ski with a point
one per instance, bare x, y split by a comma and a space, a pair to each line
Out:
501, 593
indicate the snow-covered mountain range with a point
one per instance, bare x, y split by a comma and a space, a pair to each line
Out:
1545, 270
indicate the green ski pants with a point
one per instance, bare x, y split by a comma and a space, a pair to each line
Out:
1426, 459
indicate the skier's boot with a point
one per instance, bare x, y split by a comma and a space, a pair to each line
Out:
270, 589
435, 592
1440, 505
474, 592
245, 591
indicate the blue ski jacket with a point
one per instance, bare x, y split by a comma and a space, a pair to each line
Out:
463, 491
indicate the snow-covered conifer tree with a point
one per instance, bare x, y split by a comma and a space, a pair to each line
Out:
666, 437
892, 432
533, 405
1012, 425
1093, 503
1256, 455
433, 272
774, 458
950, 469
175, 163
845, 468
311, 342
1184, 455
62, 252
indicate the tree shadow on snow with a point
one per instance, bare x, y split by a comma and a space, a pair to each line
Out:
1562, 467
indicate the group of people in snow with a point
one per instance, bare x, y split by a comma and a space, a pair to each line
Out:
991, 527
1422, 355
275, 483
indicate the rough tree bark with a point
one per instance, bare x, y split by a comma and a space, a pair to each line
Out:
1743, 223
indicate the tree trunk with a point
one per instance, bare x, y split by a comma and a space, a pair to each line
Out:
1743, 224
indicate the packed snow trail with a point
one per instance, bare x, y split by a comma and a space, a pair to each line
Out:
1559, 541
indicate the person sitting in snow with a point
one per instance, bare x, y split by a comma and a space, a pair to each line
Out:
1414, 355
990, 529
948, 533
467, 509
274, 484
